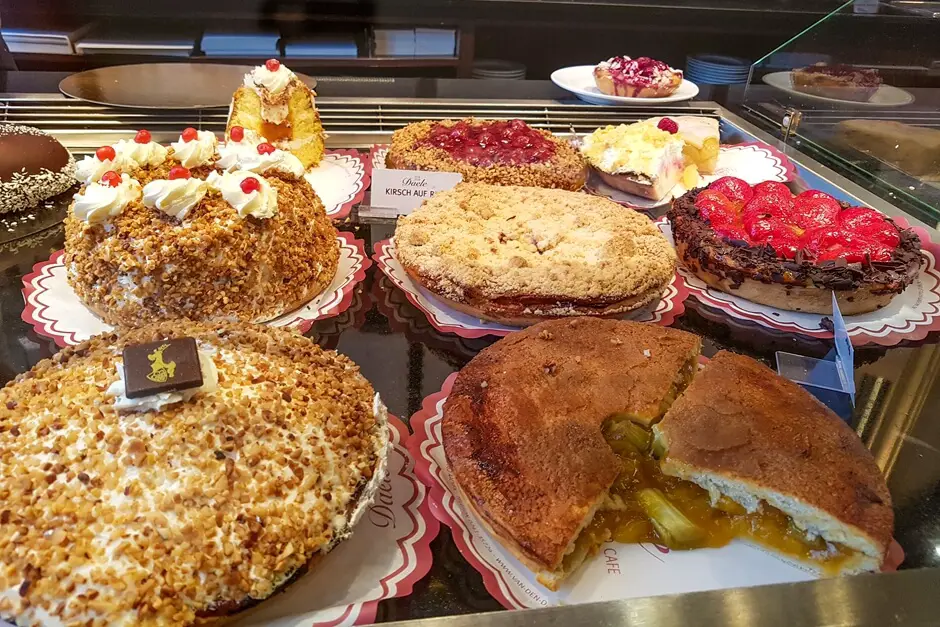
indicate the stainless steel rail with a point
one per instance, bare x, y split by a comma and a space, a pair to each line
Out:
908, 598
351, 123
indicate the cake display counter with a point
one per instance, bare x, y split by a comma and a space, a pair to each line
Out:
246, 385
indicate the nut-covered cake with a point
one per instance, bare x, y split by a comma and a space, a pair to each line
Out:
506, 152
205, 243
768, 246
518, 255
179, 507
34, 167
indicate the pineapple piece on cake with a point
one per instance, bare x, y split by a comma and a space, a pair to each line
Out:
700, 135
278, 106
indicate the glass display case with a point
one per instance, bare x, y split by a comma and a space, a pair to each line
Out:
418, 552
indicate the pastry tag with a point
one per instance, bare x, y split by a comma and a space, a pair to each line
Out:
161, 367
405, 190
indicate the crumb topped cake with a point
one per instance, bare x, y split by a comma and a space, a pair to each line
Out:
518, 255
500, 152
641, 77
34, 167
177, 511
274, 103
202, 244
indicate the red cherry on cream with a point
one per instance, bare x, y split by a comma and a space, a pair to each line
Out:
111, 178
668, 125
179, 172
105, 152
265, 148
250, 184
142, 137
189, 134
237, 133
273, 65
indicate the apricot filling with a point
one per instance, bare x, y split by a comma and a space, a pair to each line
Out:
276, 132
644, 505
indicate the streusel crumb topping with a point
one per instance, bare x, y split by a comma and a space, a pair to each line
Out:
160, 518
510, 242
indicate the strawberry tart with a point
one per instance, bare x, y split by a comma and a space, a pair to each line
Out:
504, 152
642, 77
768, 246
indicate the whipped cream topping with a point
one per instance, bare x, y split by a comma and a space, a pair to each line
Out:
90, 169
272, 89
156, 402
197, 152
96, 203
244, 155
262, 77
639, 148
175, 198
261, 203
151, 153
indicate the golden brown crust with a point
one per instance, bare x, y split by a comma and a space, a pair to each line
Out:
199, 508
565, 170
606, 84
519, 252
522, 424
145, 266
513, 313
740, 420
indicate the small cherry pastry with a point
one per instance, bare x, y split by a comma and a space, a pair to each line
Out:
642, 77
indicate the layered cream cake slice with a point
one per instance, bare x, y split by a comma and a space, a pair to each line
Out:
637, 158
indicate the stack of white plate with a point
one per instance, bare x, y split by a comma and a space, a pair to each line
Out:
716, 69
495, 68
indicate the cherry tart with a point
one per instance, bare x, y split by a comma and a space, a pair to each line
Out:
504, 152
641, 77
768, 246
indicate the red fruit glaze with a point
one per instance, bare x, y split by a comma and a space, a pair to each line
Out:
142, 137
111, 178
884, 233
815, 193
236, 133
105, 152
810, 212
642, 71
715, 212
668, 125
487, 143
855, 217
732, 232
189, 134
250, 184
179, 172
734, 188
273, 65
771, 188
767, 206
265, 148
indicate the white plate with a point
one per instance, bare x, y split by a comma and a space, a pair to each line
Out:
579, 80
886, 96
